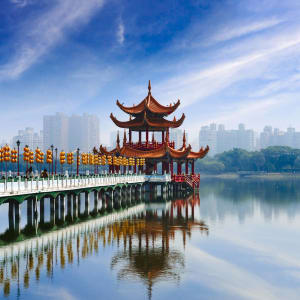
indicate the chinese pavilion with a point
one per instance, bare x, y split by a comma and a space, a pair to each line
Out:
149, 116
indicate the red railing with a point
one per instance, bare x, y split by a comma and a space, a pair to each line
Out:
149, 145
192, 180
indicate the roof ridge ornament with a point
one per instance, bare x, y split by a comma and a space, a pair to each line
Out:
149, 87
183, 140
118, 140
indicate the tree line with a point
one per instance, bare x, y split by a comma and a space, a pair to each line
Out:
271, 159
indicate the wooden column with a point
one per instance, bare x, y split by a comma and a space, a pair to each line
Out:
186, 167
171, 167
178, 167
130, 136
162, 136
147, 136
140, 136
193, 167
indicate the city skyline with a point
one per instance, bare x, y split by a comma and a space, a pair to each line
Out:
225, 61
273, 137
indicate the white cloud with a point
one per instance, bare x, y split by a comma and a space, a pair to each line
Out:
238, 30
21, 3
46, 31
120, 33
47, 292
232, 280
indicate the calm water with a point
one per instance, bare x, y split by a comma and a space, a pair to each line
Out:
239, 240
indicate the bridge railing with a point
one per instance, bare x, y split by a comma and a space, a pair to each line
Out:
34, 185
158, 178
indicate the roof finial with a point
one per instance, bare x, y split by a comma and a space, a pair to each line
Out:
184, 140
124, 138
118, 140
149, 87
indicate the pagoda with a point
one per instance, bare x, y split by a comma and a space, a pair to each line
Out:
149, 117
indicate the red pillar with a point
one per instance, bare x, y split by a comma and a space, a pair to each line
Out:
147, 136
140, 136
171, 167
162, 136
178, 168
134, 169
193, 167
187, 167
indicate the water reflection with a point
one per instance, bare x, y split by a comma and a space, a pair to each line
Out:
150, 258
143, 232
244, 198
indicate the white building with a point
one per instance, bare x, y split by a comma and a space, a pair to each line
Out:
29, 137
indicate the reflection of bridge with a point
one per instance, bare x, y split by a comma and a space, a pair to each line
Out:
65, 195
144, 231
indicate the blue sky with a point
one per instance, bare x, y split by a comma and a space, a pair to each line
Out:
228, 61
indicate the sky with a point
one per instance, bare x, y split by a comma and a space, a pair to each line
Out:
228, 61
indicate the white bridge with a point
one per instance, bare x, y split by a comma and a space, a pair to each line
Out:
17, 186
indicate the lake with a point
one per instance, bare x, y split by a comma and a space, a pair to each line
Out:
237, 239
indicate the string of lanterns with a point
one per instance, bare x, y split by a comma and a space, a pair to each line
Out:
86, 159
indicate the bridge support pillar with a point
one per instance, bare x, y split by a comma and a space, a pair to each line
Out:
57, 208
11, 216
42, 211
75, 206
35, 209
29, 212
62, 208
78, 204
69, 206
52, 211
96, 202
87, 203
17, 217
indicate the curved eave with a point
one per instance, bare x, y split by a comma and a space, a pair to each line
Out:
134, 109
155, 107
150, 104
103, 151
155, 153
126, 124
201, 154
182, 153
146, 122
131, 152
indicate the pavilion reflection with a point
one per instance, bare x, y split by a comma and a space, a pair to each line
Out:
145, 237
146, 253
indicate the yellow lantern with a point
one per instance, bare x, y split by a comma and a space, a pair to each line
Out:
62, 157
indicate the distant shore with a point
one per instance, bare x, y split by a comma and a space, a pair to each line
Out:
254, 176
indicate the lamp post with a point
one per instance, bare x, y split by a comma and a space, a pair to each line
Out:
55, 159
78, 159
52, 157
18, 145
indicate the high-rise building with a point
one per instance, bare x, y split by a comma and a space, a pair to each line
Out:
208, 136
223, 140
69, 133
55, 129
29, 137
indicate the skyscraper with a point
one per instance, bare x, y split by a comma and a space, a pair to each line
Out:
29, 137
69, 133
56, 131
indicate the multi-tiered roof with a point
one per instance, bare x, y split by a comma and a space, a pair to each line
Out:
149, 115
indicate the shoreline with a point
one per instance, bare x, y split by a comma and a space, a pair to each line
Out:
251, 176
